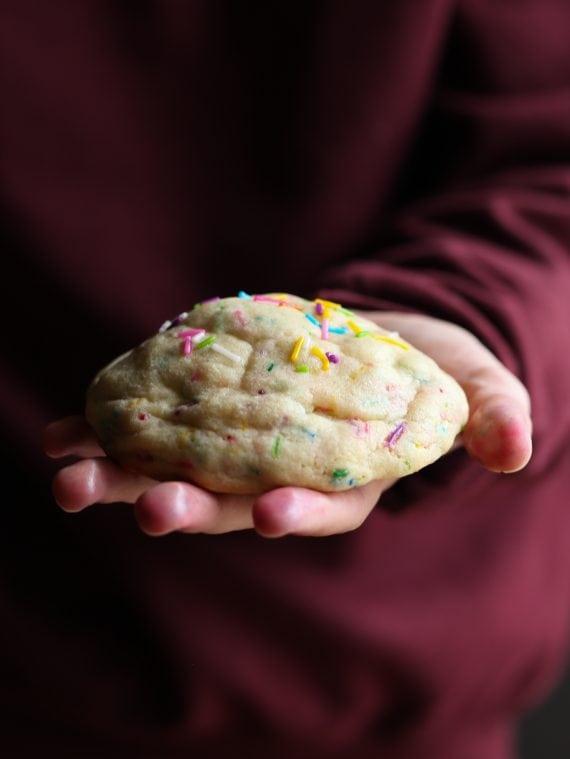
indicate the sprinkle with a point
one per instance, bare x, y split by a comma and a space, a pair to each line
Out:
329, 303
225, 352
243, 294
392, 341
180, 318
276, 446
191, 333
395, 435
205, 341
165, 325
332, 357
210, 300
339, 474
296, 349
240, 317
266, 299
322, 356
302, 368
360, 428
187, 347
319, 309
363, 333
270, 366
143, 417
344, 311
325, 329
312, 319
354, 327
338, 330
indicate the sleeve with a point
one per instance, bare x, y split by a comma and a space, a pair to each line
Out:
486, 243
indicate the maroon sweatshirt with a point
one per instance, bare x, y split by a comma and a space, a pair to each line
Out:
410, 155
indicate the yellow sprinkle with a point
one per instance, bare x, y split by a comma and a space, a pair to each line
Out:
296, 349
357, 372
392, 341
329, 303
324, 359
354, 327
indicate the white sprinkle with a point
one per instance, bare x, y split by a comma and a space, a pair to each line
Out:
164, 326
225, 352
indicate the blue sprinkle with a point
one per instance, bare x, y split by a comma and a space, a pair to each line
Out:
312, 319
243, 294
338, 330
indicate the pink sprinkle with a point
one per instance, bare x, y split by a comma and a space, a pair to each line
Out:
240, 317
265, 299
187, 349
395, 435
319, 309
191, 332
325, 329
210, 300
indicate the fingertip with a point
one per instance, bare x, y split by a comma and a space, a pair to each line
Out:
277, 513
163, 509
499, 437
76, 486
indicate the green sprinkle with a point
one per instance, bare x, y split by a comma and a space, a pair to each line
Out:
344, 311
340, 474
204, 343
197, 305
270, 366
363, 333
276, 446
303, 368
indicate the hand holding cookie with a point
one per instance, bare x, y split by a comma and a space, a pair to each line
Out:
284, 415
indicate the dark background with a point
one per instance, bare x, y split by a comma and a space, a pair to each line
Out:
545, 733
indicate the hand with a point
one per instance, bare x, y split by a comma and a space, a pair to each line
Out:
497, 435
163, 507
498, 432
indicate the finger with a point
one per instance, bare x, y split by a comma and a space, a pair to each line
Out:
498, 433
183, 507
301, 511
96, 481
71, 436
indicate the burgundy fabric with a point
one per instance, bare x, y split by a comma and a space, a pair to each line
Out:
404, 155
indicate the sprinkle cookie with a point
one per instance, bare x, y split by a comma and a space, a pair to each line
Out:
249, 393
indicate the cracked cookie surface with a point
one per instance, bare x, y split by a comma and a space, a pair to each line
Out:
249, 393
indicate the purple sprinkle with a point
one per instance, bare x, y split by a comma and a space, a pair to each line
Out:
319, 309
395, 435
210, 300
333, 358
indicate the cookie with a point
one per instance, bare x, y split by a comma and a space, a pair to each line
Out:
248, 393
